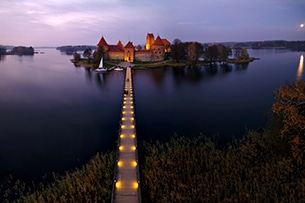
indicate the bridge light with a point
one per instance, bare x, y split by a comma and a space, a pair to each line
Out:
134, 163
118, 184
135, 185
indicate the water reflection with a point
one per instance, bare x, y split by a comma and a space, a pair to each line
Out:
25, 58
300, 69
2, 58
241, 66
98, 78
212, 69
158, 76
226, 68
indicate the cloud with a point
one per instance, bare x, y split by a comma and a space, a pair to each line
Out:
79, 21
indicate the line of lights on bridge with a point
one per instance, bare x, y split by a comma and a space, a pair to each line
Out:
126, 105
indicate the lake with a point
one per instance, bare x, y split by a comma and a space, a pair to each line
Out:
55, 116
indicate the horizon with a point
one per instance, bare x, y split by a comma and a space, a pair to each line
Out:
54, 23
46, 46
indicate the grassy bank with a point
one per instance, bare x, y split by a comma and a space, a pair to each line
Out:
256, 168
91, 183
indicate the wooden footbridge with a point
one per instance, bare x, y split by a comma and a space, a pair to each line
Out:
126, 186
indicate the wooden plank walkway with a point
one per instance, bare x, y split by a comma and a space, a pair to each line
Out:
126, 177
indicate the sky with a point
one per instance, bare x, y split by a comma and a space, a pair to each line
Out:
84, 22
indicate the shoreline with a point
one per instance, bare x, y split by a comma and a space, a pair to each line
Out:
166, 63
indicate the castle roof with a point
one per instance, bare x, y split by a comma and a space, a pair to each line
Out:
151, 35
158, 41
115, 48
129, 45
102, 42
120, 44
165, 42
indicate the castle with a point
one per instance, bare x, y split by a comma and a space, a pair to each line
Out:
155, 50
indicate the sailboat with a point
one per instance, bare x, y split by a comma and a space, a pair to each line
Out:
100, 67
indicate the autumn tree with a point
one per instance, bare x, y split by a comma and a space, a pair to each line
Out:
223, 52
195, 50
290, 107
244, 54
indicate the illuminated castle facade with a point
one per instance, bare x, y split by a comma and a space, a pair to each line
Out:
155, 50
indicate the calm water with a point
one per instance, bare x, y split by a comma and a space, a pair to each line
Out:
224, 101
54, 116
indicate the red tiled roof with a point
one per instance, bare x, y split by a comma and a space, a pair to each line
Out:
129, 45
165, 42
115, 48
102, 42
158, 41
120, 44
151, 35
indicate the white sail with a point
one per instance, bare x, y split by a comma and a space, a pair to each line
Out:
101, 63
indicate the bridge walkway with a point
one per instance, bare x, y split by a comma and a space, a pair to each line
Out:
126, 183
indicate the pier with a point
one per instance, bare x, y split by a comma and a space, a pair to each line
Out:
126, 186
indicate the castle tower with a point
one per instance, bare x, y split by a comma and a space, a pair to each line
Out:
129, 52
102, 43
158, 50
150, 40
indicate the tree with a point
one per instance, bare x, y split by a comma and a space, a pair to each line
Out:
76, 57
178, 50
289, 106
2, 51
223, 52
87, 54
98, 54
244, 54
211, 53
195, 50
139, 47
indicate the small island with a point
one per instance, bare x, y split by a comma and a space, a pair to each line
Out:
158, 52
19, 50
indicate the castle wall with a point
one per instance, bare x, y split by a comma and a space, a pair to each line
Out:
116, 55
143, 56
157, 53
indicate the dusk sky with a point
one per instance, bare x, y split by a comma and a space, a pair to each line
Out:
63, 22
